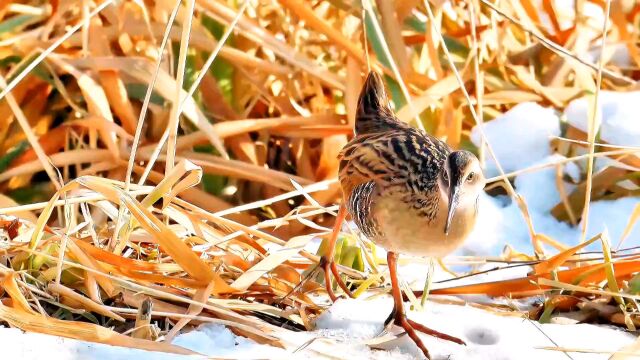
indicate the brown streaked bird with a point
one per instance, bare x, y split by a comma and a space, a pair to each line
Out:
406, 191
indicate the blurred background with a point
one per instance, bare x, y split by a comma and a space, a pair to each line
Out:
234, 113
276, 101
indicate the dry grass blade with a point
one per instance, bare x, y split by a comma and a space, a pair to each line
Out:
594, 124
82, 331
143, 321
256, 34
559, 49
50, 49
147, 95
396, 72
174, 115
559, 259
86, 303
293, 246
24, 124
175, 247
305, 12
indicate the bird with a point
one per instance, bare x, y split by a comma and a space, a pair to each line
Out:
406, 191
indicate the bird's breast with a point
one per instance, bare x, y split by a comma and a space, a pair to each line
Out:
416, 226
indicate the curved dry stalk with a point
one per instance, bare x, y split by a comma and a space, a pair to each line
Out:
560, 161
147, 95
559, 49
594, 124
253, 32
32, 65
366, 4
174, 115
33, 140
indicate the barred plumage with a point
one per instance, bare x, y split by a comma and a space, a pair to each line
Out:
359, 204
403, 164
406, 191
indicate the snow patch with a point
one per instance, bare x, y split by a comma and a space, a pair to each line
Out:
619, 116
519, 138
365, 322
488, 335
218, 341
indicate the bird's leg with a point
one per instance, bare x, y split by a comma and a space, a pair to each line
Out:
327, 260
400, 318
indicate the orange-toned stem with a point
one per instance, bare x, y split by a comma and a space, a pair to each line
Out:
327, 263
582, 275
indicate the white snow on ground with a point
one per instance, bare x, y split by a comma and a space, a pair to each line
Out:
619, 116
528, 127
489, 336
351, 323
16, 344
504, 224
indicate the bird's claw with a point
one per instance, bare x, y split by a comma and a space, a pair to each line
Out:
411, 327
330, 266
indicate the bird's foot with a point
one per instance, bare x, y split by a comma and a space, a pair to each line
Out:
330, 265
428, 331
411, 327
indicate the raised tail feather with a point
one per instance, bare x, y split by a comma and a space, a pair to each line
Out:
374, 113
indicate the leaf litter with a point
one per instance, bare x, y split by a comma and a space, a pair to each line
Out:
228, 234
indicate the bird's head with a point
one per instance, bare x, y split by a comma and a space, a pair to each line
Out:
461, 181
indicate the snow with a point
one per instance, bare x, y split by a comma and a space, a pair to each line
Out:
365, 322
619, 116
209, 340
501, 222
17, 344
488, 336
352, 325
527, 125
217, 340
616, 54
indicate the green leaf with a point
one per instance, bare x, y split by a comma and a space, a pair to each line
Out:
34, 193
377, 44
634, 284
213, 184
375, 41
138, 91
396, 92
190, 73
89, 316
10, 60
16, 151
466, 144
414, 23
221, 70
14, 22
545, 318
39, 71
455, 47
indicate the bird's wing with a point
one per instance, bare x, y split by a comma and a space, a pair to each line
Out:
407, 158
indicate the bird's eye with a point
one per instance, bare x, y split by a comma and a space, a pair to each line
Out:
471, 176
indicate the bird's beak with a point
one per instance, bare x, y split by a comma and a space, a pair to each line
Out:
454, 197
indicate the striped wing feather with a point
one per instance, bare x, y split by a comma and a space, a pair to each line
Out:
386, 155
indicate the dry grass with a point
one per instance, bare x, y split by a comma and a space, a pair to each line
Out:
182, 155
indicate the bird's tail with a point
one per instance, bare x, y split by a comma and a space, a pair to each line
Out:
374, 113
